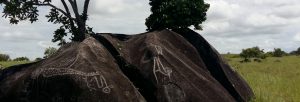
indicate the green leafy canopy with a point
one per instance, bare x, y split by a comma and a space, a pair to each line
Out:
21, 10
174, 14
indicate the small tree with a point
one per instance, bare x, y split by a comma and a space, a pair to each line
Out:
269, 54
298, 51
74, 23
4, 57
173, 14
254, 52
278, 52
49, 51
38, 59
21, 59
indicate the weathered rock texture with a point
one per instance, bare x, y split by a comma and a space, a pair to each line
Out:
160, 66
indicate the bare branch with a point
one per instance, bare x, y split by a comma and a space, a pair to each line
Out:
75, 9
85, 9
79, 21
68, 13
66, 8
48, 4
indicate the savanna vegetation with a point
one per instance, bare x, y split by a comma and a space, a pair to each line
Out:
6, 64
6, 61
273, 79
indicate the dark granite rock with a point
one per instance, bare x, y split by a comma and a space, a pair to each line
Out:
78, 72
160, 66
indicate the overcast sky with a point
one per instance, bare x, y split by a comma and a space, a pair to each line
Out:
231, 25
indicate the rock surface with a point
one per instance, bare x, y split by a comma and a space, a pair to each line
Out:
159, 66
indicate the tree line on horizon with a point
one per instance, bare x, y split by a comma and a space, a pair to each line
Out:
246, 54
257, 54
47, 53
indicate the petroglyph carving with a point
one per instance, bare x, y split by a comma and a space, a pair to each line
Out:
74, 61
61, 64
158, 67
158, 49
93, 80
93, 83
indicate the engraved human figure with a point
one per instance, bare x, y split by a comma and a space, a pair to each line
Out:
102, 84
158, 67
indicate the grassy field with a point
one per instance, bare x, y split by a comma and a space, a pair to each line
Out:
273, 79
11, 63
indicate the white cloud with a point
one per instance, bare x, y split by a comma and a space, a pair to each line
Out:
107, 7
221, 10
274, 2
265, 23
259, 20
231, 25
297, 37
46, 44
19, 36
119, 16
288, 11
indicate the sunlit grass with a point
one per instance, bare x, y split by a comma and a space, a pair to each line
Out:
273, 79
11, 63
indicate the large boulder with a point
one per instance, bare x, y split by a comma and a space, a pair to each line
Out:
159, 66
78, 72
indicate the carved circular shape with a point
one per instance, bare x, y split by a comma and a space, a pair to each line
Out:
106, 89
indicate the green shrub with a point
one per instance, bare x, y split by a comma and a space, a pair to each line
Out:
4, 57
278, 52
21, 59
254, 52
296, 52
38, 59
49, 51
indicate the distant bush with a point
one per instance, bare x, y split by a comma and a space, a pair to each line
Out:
278, 52
254, 52
4, 57
49, 51
297, 52
21, 59
231, 55
269, 54
38, 59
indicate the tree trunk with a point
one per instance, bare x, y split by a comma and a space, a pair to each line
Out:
80, 20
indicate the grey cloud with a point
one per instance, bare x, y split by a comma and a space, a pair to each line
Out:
114, 7
119, 16
288, 11
231, 25
297, 37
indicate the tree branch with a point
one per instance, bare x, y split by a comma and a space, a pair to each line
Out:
66, 8
80, 22
48, 4
69, 15
75, 9
85, 9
